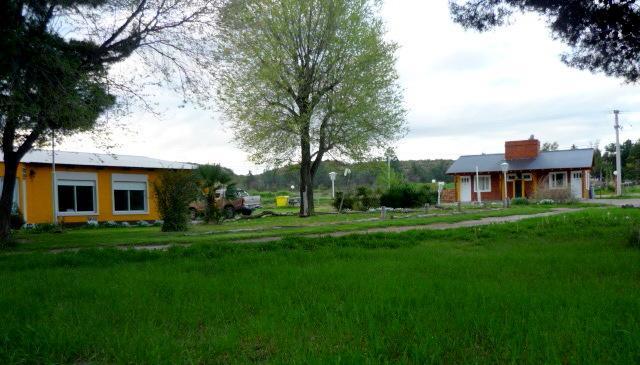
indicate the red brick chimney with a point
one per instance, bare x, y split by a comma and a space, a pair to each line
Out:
521, 150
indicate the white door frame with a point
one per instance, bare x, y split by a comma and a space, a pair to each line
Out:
465, 189
576, 189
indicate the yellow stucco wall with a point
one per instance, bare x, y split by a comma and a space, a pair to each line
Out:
39, 206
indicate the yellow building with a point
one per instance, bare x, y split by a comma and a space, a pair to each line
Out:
88, 186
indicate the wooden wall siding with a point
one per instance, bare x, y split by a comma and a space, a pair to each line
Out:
539, 179
494, 194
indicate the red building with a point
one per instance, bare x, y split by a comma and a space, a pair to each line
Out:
528, 169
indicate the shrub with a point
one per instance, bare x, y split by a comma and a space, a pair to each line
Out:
92, 223
520, 201
365, 199
210, 213
44, 228
400, 196
15, 220
427, 195
557, 195
346, 203
546, 202
174, 191
408, 196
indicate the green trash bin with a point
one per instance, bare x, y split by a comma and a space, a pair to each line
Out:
282, 201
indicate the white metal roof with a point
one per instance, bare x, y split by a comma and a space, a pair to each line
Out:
101, 159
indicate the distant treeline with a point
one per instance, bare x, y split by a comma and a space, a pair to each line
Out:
369, 174
604, 163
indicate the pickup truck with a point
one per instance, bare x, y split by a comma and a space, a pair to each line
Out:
240, 202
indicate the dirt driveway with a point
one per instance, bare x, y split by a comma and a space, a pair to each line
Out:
433, 226
617, 202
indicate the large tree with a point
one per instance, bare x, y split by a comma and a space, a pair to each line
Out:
604, 36
303, 79
56, 59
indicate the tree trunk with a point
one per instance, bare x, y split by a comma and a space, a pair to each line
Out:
6, 199
306, 178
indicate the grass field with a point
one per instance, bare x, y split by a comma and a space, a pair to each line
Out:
253, 228
627, 191
563, 289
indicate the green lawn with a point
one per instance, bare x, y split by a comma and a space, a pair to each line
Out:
253, 228
628, 191
562, 289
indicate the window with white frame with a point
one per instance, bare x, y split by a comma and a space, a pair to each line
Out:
483, 184
558, 180
526, 176
129, 193
76, 193
15, 193
512, 177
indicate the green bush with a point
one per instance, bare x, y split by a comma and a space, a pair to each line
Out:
346, 203
408, 196
44, 228
363, 199
400, 196
16, 221
520, 201
174, 191
427, 195
366, 199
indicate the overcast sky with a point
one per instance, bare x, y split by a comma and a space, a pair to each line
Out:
466, 93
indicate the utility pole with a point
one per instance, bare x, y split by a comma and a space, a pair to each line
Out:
618, 157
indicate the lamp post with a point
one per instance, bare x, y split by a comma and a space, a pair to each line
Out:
389, 172
332, 176
505, 167
478, 194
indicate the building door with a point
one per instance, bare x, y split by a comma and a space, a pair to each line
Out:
518, 186
465, 188
576, 184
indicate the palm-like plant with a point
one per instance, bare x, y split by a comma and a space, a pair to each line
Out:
210, 178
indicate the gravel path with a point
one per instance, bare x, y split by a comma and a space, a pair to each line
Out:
434, 226
394, 229
617, 202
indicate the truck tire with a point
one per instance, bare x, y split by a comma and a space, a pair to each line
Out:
229, 212
246, 212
